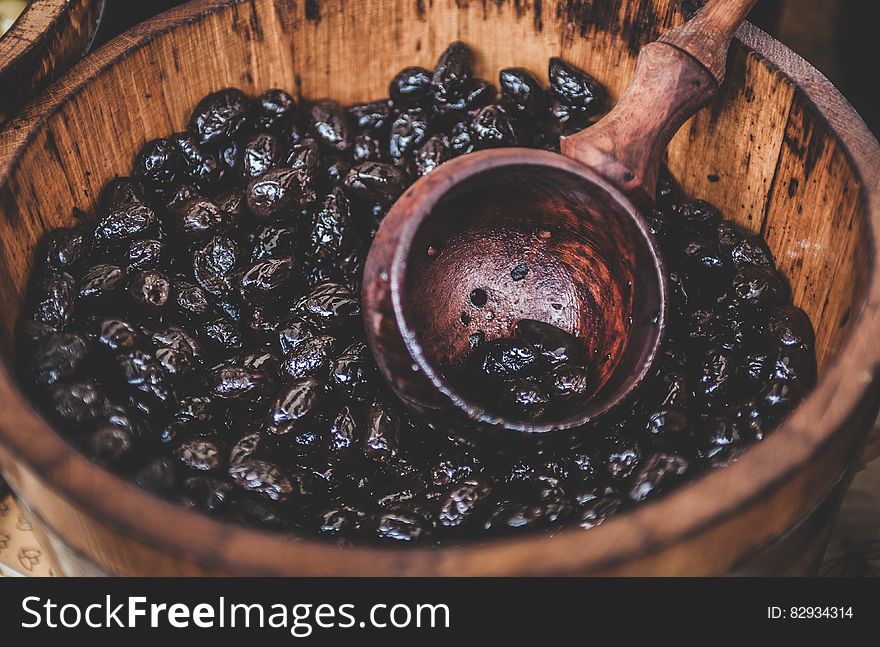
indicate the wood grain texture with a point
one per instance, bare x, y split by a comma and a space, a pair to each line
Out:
48, 37
777, 119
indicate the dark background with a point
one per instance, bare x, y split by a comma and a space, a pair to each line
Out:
839, 37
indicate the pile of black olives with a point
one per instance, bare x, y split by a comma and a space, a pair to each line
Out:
202, 333
540, 371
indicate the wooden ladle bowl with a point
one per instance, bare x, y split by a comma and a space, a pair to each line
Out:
503, 235
779, 152
447, 261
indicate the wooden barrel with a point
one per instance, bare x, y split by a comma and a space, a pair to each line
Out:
780, 151
48, 37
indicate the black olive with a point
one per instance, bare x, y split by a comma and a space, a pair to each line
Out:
331, 125
150, 290
382, 439
375, 182
574, 87
125, 224
270, 279
555, 345
311, 357
220, 116
370, 116
159, 167
274, 242
490, 127
504, 358
147, 254
260, 154
238, 383
278, 192
100, 281
201, 169
275, 110
68, 249
58, 358
411, 87
522, 93
408, 131
432, 154
454, 69
464, 504
54, 299
295, 407
200, 454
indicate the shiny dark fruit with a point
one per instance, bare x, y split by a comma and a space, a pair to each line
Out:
260, 154
295, 331
54, 299
272, 241
159, 166
742, 248
245, 449
278, 192
453, 70
311, 357
58, 358
222, 336
295, 407
111, 445
367, 147
375, 182
699, 217
514, 516
407, 133
598, 511
331, 125
569, 383
464, 503
342, 520
372, 116
147, 254
192, 302
412, 86
575, 88
232, 375
554, 344
100, 281
220, 116
333, 234
522, 94
149, 290
525, 398
382, 438
331, 306
144, 375
199, 167
214, 264
116, 335
196, 219
623, 458
177, 338
68, 249
789, 326
402, 525
77, 402
353, 373
659, 471
506, 357
491, 127
238, 383
125, 224
270, 279
758, 288
200, 454
431, 154
121, 191
275, 110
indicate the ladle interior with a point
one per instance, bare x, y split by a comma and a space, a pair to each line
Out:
527, 240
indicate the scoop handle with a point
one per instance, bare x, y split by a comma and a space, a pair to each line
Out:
674, 77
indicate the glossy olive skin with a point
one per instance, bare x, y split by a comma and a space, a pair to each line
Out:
202, 334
